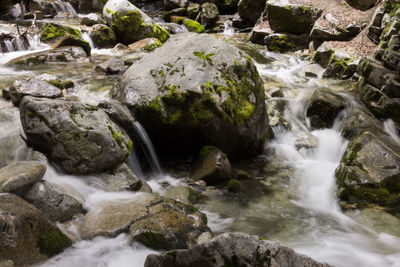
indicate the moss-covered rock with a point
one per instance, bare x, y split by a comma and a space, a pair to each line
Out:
285, 42
27, 236
196, 90
209, 15
103, 36
130, 24
193, 26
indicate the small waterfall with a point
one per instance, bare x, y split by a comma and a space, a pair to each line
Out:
9, 46
87, 38
228, 28
391, 130
148, 148
64, 8
134, 163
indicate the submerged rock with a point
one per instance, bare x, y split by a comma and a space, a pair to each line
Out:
55, 205
233, 249
156, 222
19, 176
79, 137
324, 107
196, 90
58, 55
212, 166
130, 24
26, 236
31, 87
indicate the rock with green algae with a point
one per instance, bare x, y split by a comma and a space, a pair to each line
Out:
233, 249
79, 137
285, 42
27, 236
103, 36
130, 24
145, 45
196, 90
291, 18
212, 166
193, 26
157, 222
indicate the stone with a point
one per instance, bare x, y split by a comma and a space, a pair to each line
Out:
323, 56
174, 12
54, 204
258, 36
193, 26
285, 42
121, 178
173, 4
341, 67
130, 24
323, 108
85, 6
20, 176
145, 45
212, 166
209, 15
157, 222
92, 19
103, 36
110, 67
194, 91
250, 10
233, 249
182, 193
79, 137
193, 10
32, 87
295, 19
26, 236
58, 55
362, 4
373, 72
335, 32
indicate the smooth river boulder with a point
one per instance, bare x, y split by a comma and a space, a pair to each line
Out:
130, 24
26, 235
233, 249
157, 222
197, 90
79, 137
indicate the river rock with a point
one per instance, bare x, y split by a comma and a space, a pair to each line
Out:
209, 15
196, 90
324, 107
362, 4
290, 18
285, 42
46, 8
92, 19
212, 166
121, 178
79, 137
86, 6
119, 114
54, 204
369, 171
182, 193
26, 236
145, 45
156, 222
103, 36
19, 176
32, 87
112, 66
233, 249
173, 4
58, 55
251, 10
58, 36
130, 24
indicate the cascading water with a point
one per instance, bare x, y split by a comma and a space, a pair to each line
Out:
9, 46
64, 8
390, 129
87, 38
228, 28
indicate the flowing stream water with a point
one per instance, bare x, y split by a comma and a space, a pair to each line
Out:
299, 208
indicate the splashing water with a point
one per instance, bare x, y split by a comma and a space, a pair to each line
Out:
391, 130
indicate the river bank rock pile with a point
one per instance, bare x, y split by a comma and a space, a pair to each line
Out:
203, 102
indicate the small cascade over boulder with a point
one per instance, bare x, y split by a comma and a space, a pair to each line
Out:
130, 24
197, 90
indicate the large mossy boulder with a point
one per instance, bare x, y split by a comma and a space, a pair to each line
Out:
103, 36
369, 171
196, 90
79, 137
60, 35
296, 19
157, 222
233, 249
130, 24
26, 236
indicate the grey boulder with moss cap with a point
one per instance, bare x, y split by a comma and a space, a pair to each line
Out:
79, 137
197, 90
130, 24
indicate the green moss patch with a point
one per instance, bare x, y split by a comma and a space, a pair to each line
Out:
53, 243
193, 26
52, 31
153, 240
